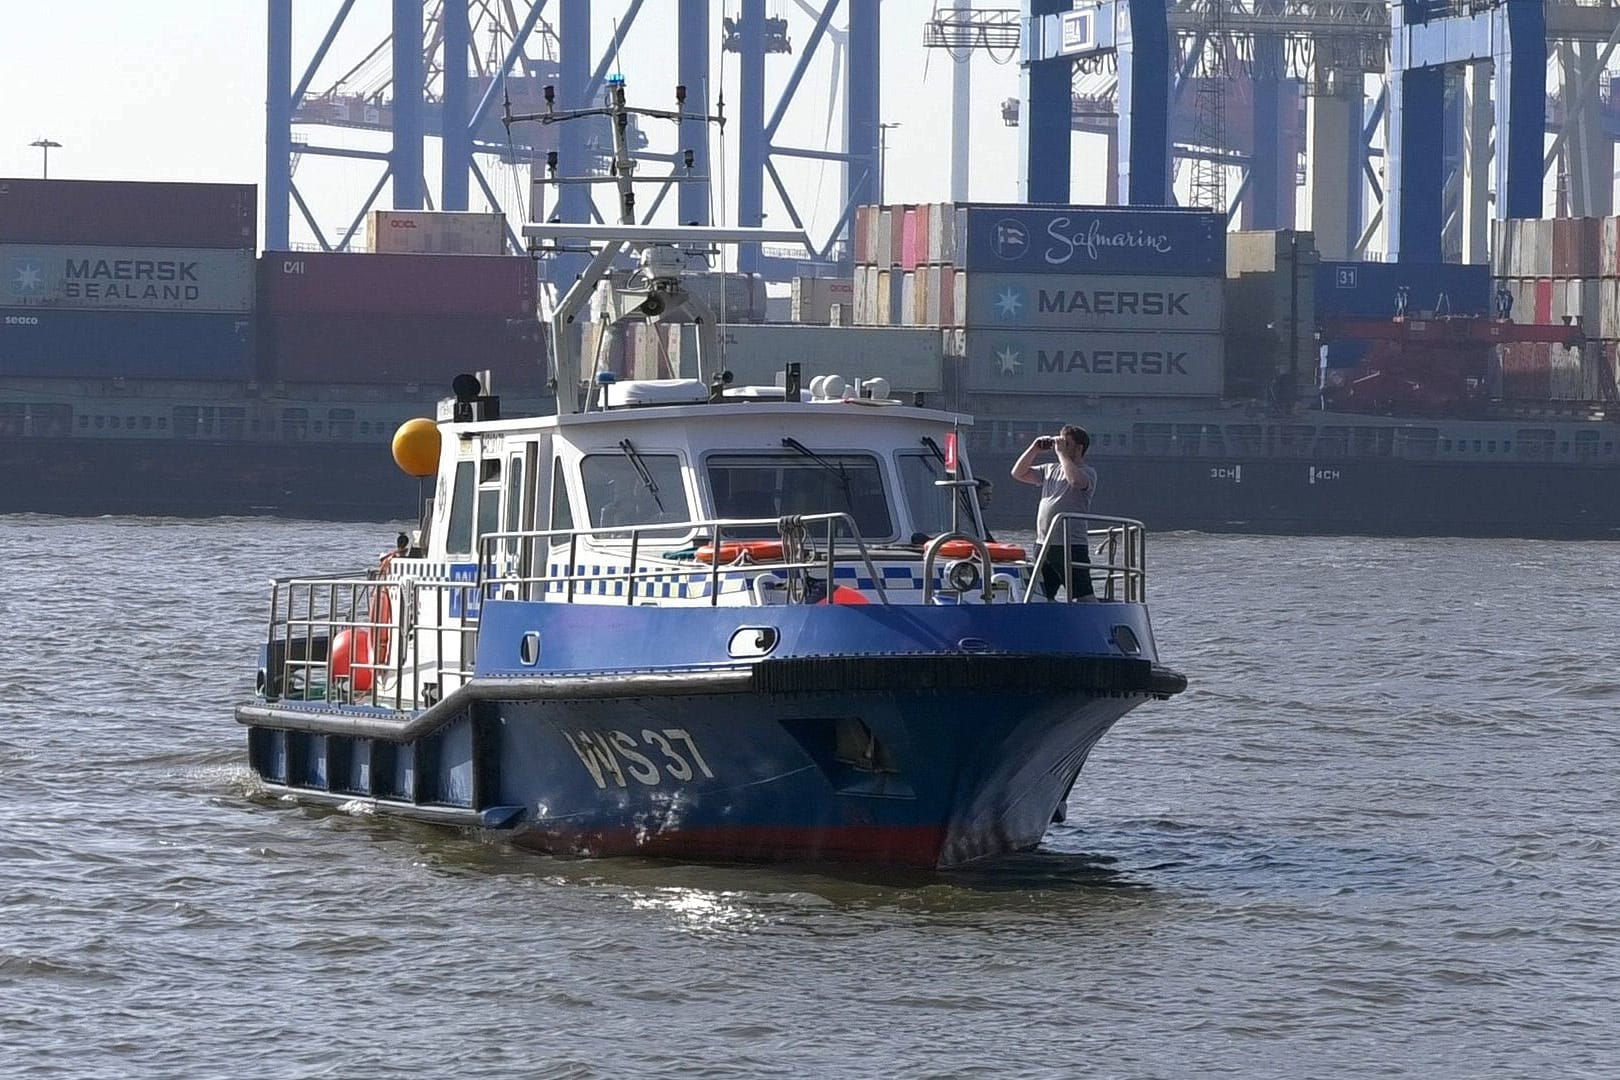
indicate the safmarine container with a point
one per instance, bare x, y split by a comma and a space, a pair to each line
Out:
397, 349
129, 213
1091, 240
1370, 289
48, 342
1095, 302
99, 278
1101, 363
299, 282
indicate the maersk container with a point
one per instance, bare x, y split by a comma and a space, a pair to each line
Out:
305, 282
1371, 289
124, 213
1093, 302
1047, 362
1091, 240
399, 349
99, 278
48, 342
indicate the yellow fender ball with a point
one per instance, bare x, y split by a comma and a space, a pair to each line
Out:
416, 447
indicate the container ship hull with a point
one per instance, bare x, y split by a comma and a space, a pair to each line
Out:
1301, 496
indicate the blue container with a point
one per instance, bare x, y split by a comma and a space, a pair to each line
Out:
1093, 240
1368, 290
137, 344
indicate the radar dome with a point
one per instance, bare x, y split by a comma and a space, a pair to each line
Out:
416, 447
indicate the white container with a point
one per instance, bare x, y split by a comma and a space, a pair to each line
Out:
129, 278
1047, 362
435, 232
1092, 302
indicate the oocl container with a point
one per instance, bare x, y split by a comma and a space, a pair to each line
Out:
441, 232
299, 282
49, 343
1088, 362
98, 278
129, 213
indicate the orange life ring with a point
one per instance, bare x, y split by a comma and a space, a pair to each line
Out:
963, 549
380, 613
756, 550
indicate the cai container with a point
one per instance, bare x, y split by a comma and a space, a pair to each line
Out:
55, 343
301, 282
125, 213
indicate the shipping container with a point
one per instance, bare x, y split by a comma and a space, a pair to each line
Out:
399, 349
1255, 252
883, 255
1152, 364
99, 278
1092, 302
908, 240
1609, 256
1372, 289
49, 342
732, 296
1092, 240
120, 213
861, 230
949, 313
813, 298
910, 358
304, 282
435, 232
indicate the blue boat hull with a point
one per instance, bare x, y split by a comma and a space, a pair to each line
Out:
921, 737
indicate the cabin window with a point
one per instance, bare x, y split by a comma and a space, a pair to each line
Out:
295, 422
771, 485
930, 506
514, 501
562, 514
340, 422
84, 421
643, 489
459, 539
232, 422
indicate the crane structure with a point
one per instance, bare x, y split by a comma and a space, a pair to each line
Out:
447, 71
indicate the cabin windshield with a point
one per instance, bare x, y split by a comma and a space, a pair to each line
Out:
931, 505
644, 489
774, 485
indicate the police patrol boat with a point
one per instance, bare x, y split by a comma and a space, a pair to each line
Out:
690, 619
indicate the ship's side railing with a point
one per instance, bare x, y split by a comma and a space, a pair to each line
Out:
388, 642
518, 564
1118, 550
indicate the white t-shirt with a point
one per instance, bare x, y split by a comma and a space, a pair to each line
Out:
1057, 497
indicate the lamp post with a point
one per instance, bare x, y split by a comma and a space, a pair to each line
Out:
883, 156
45, 148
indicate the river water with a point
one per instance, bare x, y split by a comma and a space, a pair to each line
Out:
1376, 837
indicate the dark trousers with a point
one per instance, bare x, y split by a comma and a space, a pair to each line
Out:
1052, 570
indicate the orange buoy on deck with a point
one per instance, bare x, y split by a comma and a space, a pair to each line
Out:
350, 647
962, 549
416, 447
756, 550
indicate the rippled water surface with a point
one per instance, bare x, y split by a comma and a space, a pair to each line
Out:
1376, 837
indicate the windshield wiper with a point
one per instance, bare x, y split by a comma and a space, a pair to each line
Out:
642, 471
836, 468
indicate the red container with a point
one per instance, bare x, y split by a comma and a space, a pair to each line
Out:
908, 240
301, 282
862, 252
122, 213
1526, 371
1544, 301
398, 349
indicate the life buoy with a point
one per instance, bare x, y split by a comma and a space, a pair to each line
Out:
756, 550
380, 613
963, 549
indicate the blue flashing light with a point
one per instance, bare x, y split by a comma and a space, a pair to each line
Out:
605, 377
615, 80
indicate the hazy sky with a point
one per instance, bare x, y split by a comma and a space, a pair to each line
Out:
174, 90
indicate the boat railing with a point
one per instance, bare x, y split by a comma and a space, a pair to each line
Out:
1117, 548
388, 642
519, 564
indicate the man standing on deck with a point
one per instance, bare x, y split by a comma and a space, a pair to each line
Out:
1066, 486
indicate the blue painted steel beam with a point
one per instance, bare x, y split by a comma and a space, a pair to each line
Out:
498, 85
321, 51
455, 168
1143, 46
1520, 56
278, 128
692, 64
1264, 181
751, 141
806, 54
406, 161
862, 66
574, 34
1045, 88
